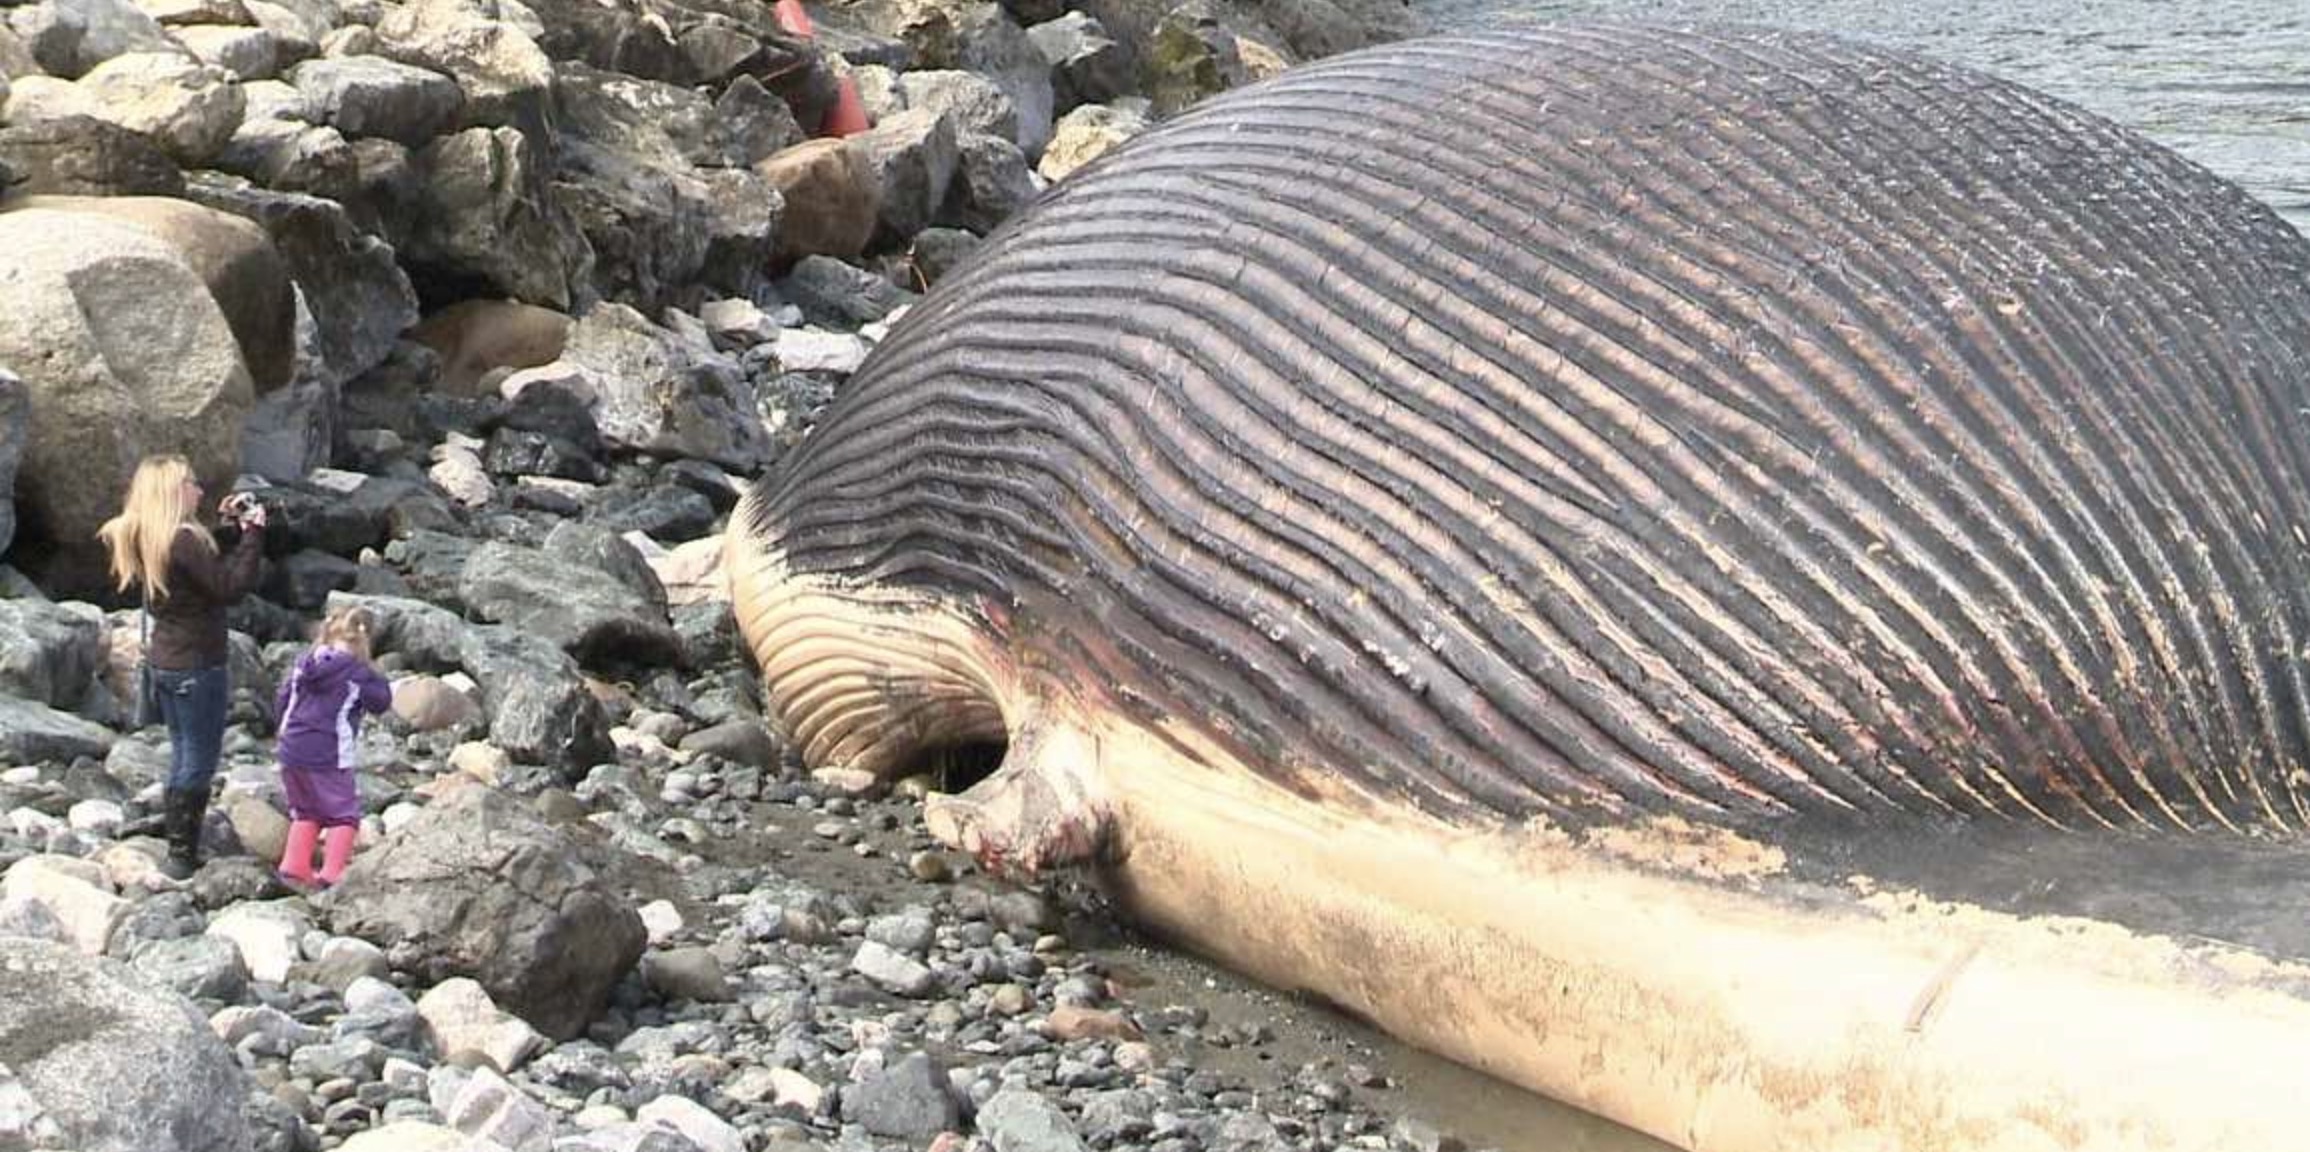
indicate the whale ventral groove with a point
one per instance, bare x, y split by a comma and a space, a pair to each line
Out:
1593, 420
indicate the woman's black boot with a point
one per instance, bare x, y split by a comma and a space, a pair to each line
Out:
187, 807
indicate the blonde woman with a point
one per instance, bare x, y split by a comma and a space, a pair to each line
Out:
159, 546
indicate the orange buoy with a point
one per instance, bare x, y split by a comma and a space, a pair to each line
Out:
848, 116
794, 20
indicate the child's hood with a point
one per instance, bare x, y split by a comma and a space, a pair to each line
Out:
325, 668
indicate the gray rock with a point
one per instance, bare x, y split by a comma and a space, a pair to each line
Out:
664, 395
836, 294
85, 156
1086, 66
357, 1058
304, 580
116, 1066
360, 300
1120, 1117
346, 963
32, 732
668, 514
539, 708
629, 1137
745, 742
293, 156
686, 974
914, 155
123, 351
754, 124
938, 251
507, 79
977, 104
492, 1108
50, 653
246, 53
369, 96
1023, 1121
475, 886
603, 550
630, 150
15, 416
907, 1101
487, 211
190, 109
699, 1126
32, 919
992, 182
910, 932
1192, 56
892, 970
988, 43
196, 967
579, 608
69, 37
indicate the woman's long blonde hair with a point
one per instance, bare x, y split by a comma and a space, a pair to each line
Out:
157, 509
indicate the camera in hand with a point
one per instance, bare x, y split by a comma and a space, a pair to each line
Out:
238, 505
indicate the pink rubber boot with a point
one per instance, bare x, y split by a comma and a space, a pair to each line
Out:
336, 850
297, 858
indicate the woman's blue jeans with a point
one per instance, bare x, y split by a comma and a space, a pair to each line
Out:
193, 704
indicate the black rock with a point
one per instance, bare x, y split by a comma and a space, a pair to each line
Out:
520, 452
668, 515
303, 580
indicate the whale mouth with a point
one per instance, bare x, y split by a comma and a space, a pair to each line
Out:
956, 765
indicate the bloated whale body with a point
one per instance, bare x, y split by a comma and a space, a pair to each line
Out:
1751, 583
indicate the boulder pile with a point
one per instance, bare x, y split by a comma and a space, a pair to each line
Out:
497, 305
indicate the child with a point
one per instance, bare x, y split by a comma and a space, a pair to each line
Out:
321, 704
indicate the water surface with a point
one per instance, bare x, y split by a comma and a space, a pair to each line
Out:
2224, 82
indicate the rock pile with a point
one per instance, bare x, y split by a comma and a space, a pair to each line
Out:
497, 305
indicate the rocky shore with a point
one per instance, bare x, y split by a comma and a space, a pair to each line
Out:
497, 307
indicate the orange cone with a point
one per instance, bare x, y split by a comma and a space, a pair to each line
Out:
848, 116
794, 20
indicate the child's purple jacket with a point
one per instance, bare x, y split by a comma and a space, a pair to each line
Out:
321, 704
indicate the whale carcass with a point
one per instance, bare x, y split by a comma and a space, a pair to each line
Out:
1751, 583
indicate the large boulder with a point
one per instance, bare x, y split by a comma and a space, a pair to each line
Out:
833, 198
992, 182
476, 886
370, 96
116, 1066
989, 43
50, 652
914, 155
125, 353
754, 123
360, 300
664, 394
86, 156
1191, 55
539, 708
69, 37
488, 213
15, 427
1086, 66
507, 79
584, 610
233, 257
190, 109
32, 732
975, 103
631, 150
